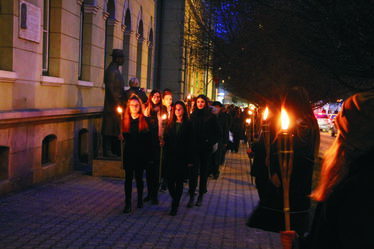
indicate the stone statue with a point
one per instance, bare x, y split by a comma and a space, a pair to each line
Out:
114, 94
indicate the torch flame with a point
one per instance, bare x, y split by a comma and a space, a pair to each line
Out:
164, 117
119, 109
189, 96
285, 119
248, 120
266, 113
250, 112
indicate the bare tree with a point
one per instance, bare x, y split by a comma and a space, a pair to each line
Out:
261, 48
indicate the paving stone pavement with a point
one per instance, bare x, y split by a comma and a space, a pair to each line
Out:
82, 211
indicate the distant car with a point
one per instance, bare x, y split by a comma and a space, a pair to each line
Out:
324, 121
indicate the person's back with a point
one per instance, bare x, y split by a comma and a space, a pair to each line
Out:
135, 89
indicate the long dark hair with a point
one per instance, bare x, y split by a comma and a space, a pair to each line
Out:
300, 112
205, 98
151, 107
173, 119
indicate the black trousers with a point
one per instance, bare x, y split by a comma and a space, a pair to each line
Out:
200, 166
152, 172
175, 186
129, 176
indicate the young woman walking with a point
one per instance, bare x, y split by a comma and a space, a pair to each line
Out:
137, 150
153, 112
179, 147
207, 133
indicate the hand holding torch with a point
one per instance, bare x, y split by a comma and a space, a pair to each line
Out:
120, 112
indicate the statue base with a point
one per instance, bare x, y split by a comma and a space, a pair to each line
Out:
109, 167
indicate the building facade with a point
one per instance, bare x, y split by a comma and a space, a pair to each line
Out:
183, 57
53, 56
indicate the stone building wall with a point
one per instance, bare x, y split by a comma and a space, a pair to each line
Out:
50, 119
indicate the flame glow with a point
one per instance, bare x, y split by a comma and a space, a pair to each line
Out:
250, 112
189, 96
248, 120
285, 119
164, 117
266, 113
119, 109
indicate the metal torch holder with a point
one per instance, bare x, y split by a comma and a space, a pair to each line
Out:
266, 133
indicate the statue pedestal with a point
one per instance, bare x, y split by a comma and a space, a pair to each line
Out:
109, 167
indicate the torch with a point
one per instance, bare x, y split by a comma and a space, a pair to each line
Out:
189, 104
248, 123
285, 157
163, 123
266, 132
120, 112
251, 112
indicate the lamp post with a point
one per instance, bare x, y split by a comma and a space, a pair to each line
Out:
266, 132
285, 156
120, 112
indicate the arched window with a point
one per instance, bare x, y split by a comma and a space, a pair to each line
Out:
81, 25
83, 146
4, 163
109, 31
49, 150
126, 46
139, 53
150, 60
46, 15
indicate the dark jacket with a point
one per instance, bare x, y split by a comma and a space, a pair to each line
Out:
138, 92
223, 122
179, 149
114, 94
138, 147
345, 219
207, 131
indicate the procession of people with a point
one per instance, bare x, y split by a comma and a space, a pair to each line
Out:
186, 141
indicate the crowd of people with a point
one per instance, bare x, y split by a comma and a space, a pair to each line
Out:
188, 140
172, 143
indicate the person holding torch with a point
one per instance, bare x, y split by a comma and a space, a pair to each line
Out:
303, 132
154, 113
344, 215
137, 151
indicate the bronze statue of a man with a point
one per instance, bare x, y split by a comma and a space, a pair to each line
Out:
114, 94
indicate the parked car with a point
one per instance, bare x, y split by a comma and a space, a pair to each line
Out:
323, 120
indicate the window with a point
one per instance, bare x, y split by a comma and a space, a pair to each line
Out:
49, 150
46, 13
83, 146
4, 162
81, 42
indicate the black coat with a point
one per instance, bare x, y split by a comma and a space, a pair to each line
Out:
138, 92
138, 147
345, 219
223, 122
207, 130
114, 94
179, 149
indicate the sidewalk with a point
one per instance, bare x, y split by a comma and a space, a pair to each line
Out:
81, 211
